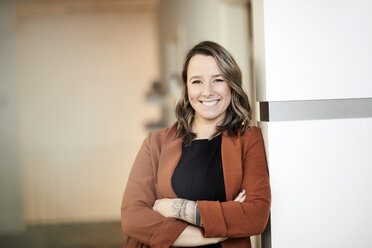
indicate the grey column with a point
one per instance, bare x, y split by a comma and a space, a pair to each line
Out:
11, 218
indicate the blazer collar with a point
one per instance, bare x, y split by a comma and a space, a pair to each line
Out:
170, 155
171, 152
231, 153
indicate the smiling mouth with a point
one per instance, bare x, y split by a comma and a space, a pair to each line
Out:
210, 103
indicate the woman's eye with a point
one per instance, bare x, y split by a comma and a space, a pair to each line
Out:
218, 80
196, 82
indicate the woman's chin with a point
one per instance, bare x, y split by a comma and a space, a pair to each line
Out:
210, 117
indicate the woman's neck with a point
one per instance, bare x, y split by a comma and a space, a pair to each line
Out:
204, 129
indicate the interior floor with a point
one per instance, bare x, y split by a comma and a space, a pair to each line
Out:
67, 235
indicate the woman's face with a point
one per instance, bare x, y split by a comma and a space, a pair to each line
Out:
208, 92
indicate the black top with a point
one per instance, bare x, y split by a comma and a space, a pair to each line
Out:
199, 174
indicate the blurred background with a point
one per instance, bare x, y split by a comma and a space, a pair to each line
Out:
81, 84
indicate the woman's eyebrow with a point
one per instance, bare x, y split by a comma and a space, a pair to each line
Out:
194, 77
197, 77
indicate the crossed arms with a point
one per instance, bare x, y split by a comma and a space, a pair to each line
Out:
165, 222
188, 211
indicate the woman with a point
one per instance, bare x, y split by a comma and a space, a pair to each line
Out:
204, 180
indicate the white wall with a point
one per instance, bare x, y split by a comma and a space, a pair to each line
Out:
317, 53
313, 49
320, 177
83, 69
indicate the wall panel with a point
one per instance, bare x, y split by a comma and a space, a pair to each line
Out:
320, 175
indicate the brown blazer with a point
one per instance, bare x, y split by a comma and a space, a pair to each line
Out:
244, 167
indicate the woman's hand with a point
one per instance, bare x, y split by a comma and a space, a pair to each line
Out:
241, 196
165, 206
193, 236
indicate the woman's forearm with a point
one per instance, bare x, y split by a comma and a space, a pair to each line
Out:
193, 236
188, 211
178, 208
184, 209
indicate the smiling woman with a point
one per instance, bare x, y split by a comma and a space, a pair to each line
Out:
203, 181
209, 93
210, 64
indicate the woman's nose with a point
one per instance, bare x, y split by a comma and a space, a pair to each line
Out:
207, 90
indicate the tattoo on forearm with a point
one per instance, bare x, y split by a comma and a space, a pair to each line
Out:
187, 211
183, 213
179, 207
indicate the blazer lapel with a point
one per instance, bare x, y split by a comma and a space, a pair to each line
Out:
231, 153
169, 157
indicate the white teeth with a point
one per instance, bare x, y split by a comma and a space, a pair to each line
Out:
210, 103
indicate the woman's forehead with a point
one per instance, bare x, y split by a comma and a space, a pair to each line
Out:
202, 65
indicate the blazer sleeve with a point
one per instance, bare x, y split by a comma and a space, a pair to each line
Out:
234, 219
138, 219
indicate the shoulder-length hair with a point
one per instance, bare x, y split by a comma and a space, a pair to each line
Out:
238, 114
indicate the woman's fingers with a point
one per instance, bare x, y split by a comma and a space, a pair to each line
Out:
164, 206
156, 206
241, 196
238, 197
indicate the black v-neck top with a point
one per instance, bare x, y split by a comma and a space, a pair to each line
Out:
199, 174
